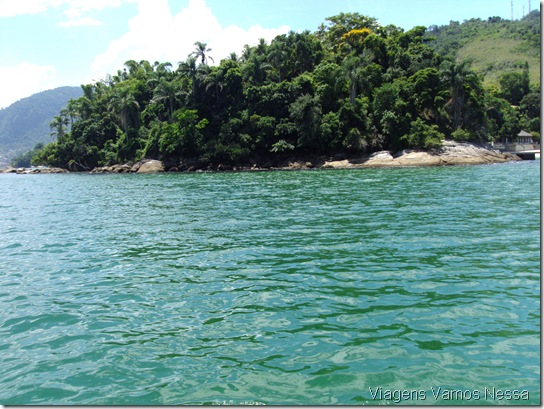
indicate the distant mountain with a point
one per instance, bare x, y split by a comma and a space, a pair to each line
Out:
495, 46
26, 122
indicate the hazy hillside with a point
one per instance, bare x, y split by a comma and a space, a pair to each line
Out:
495, 46
26, 122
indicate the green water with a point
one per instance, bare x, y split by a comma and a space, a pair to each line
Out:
308, 287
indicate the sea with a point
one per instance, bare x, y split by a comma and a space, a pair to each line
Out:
409, 286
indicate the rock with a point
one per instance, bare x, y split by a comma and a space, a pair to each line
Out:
337, 164
121, 168
136, 167
415, 158
299, 164
54, 170
451, 153
39, 170
103, 169
151, 166
9, 169
379, 159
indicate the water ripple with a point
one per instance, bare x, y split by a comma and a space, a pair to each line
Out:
282, 288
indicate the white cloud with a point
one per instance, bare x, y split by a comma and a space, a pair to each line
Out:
156, 34
23, 80
11, 8
75, 10
80, 21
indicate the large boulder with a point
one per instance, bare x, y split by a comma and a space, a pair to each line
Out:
151, 166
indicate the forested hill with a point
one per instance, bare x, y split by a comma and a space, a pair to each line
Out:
26, 122
354, 86
494, 46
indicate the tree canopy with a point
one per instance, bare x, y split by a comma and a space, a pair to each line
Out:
353, 86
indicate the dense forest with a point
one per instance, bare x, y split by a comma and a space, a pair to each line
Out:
351, 87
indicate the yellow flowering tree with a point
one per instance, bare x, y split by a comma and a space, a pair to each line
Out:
355, 38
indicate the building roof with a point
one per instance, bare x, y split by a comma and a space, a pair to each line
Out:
523, 133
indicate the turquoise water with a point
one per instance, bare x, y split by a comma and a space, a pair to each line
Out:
376, 286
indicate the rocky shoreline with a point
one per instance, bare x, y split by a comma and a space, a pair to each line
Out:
33, 171
451, 153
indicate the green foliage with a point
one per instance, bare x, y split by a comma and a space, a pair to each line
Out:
423, 136
27, 159
183, 137
515, 85
282, 146
461, 135
27, 121
306, 114
495, 46
353, 86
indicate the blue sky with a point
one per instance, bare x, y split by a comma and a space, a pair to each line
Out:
49, 43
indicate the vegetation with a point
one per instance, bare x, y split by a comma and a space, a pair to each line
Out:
494, 46
353, 86
26, 122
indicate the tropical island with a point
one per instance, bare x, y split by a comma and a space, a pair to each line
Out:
351, 93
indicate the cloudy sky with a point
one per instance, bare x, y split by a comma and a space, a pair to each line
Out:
49, 43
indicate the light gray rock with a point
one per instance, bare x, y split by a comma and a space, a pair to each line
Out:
151, 166
451, 153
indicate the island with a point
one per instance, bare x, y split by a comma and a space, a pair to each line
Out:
354, 93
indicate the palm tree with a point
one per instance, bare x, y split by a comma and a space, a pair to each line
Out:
461, 81
146, 66
166, 91
73, 110
353, 72
189, 69
163, 69
261, 47
246, 53
58, 125
132, 66
124, 105
276, 55
200, 52
214, 80
159, 72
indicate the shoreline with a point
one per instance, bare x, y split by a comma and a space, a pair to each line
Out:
450, 154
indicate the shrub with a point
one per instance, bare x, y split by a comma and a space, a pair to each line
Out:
423, 136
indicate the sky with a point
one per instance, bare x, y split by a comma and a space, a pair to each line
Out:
45, 44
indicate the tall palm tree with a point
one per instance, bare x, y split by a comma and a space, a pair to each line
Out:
166, 91
353, 72
214, 80
58, 125
124, 106
246, 53
200, 52
132, 66
277, 53
261, 47
462, 81
73, 110
160, 71
189, 69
